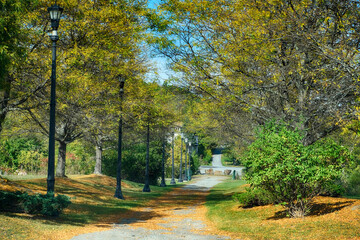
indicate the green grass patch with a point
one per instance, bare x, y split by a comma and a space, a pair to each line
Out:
93, 203
336, 218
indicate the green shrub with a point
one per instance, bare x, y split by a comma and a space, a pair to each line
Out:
10, 201
195, 162
333, 189
13, 153
47, 205
30, 160
134, 162
254, 197
79, 158
352, 183
292, 172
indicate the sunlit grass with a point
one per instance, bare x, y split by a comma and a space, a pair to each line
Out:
332, 218
93, 207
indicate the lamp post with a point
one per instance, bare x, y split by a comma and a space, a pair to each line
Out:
172, 157
196, 144
55, 14
181, 154
163, 184
189, 170
118, 192
147, 183
186, 148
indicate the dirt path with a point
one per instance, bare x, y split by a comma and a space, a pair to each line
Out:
179, 214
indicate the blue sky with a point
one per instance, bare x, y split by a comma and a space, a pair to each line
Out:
162, 72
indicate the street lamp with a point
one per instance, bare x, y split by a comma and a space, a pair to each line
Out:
186, 149
181, 153
118, 192
163, 184
196, 144
189, 170
55, 14
172, 156
147, 183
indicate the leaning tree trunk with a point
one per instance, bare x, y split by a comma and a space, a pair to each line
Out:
98, 158
60, 168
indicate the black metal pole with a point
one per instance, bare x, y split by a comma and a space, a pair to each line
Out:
51, 158
181, 153
147, 186
186, 171
118, 192
172, 156
189, 164
163, 184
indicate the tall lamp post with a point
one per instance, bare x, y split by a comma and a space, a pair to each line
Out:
196, 144
118, 192
189, 170
163, 184
186, 149
55, 14
181, 154
172, 158
147, 183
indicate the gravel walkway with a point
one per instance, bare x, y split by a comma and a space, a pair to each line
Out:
179, 214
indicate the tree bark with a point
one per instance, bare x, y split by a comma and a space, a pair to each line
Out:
98, 158
5, 100
60, 167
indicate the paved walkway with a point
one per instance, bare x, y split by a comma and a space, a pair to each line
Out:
179, 214
218, 167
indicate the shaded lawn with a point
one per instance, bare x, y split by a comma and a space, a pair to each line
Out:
93, 207
331, 218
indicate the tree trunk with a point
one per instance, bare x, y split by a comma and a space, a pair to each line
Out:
5, 100
98, 158
60, 168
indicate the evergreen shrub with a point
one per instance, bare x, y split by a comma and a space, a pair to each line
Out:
47, 205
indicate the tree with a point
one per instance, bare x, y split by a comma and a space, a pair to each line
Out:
152, 111
291, 172
98, 41
18, 38
289, 59
98, 128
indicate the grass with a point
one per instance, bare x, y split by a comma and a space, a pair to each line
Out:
331, 218
93, 206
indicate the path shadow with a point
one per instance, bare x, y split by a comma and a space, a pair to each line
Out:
317, 209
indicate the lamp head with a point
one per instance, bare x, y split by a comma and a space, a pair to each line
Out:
122, 82
55, 14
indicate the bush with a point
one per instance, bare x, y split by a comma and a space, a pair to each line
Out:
293, 173
31, 161
352, 183
134, 162
47, 204
195, 162
10, 201
13, 153
253, 197
333, 189
79, 158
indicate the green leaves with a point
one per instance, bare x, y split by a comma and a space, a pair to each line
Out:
47, 205
280, 163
